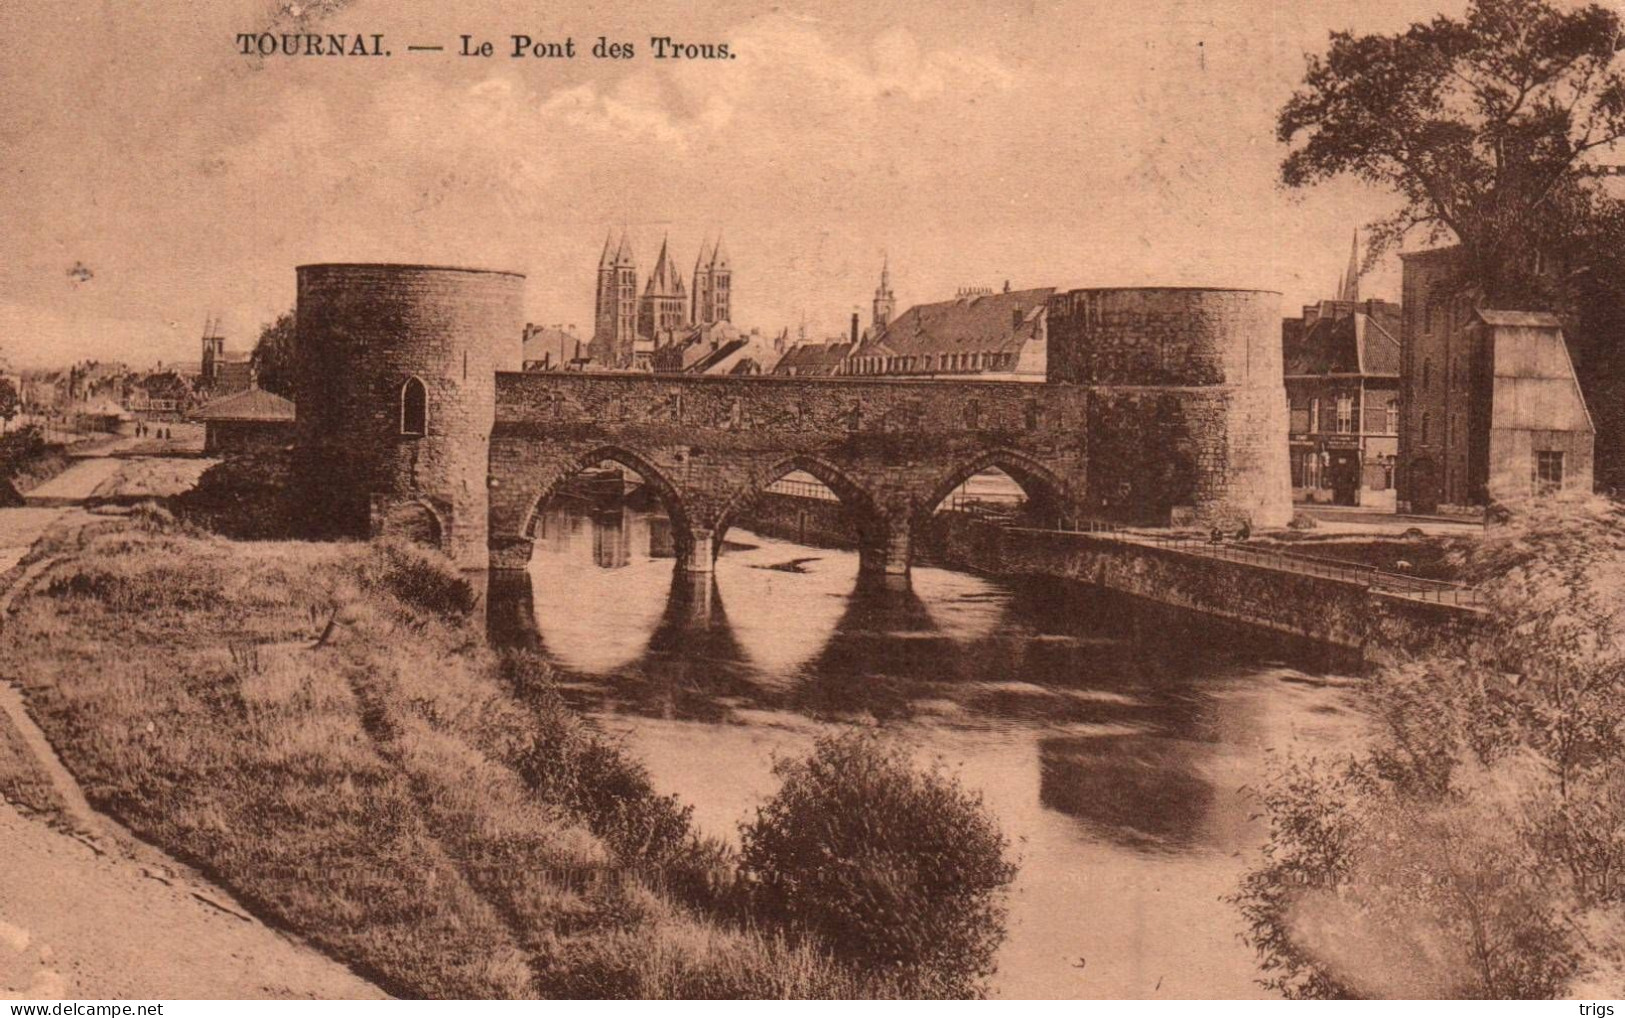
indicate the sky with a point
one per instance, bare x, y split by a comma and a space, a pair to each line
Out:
154, 176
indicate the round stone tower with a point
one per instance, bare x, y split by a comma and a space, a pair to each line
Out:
395, 392
1187, 415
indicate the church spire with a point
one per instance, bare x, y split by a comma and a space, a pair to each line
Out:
1349, 287
885, 304
664, 281
719, 255
607, 260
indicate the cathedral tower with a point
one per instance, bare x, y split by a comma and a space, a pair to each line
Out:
713, 285
616, 318
722, 274
665, 301
701, 291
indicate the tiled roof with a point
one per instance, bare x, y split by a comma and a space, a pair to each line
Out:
990, 323
250, 405
1343, 341
812, 358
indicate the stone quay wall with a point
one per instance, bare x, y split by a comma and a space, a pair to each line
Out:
1325, 609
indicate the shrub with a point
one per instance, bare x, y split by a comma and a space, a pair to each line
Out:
895, 868
1302, 521
1476, 847
600, 786
421, 579
245, 497
20, 446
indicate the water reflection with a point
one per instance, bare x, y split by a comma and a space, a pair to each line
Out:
1111, 738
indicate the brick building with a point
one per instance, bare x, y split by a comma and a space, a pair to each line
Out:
1492, 410
553, 348
808, 359
1342, 359
248, 421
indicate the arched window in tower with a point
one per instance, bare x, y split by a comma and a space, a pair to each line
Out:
414, 407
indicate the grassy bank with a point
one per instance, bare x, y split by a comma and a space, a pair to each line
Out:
27, 461
321, 729
23, 783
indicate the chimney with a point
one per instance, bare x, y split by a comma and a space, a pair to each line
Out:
854, 328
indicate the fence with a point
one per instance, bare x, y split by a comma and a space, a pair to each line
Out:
1370, 577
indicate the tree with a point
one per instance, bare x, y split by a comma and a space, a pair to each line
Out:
1480, 126
273, 355
10, 403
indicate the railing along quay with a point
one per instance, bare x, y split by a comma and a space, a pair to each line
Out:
1233, 550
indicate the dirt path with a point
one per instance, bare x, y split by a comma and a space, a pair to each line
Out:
74, 484
77, 924
96, 913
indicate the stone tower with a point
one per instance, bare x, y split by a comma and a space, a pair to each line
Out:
713, 285
395, 395
722, 275
1187, 418
616, 318
214, 350
664, 306
700, 292
885, 305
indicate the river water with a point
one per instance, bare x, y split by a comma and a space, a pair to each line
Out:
1114, 740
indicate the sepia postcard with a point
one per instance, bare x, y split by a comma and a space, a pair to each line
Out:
811, 500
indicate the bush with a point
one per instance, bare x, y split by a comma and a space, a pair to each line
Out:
423, 580
1303, 521
244, 497
566, 762
1476, 848
898, 869
18, 447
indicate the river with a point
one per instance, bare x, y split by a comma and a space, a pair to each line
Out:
1114, 740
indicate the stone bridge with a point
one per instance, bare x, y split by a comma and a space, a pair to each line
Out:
1161, 405
889, 450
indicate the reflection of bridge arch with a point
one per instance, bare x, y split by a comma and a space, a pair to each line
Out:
1044, 489
653, 477
854, 498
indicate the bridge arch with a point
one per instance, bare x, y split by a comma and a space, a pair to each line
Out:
854, 498
1042, 485
671, 497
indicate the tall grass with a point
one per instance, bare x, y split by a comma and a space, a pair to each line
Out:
321, 728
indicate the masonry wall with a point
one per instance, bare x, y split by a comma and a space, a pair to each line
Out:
1315, 607
222, 438
891, 444
1189, 417
363, 331
1441, 388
